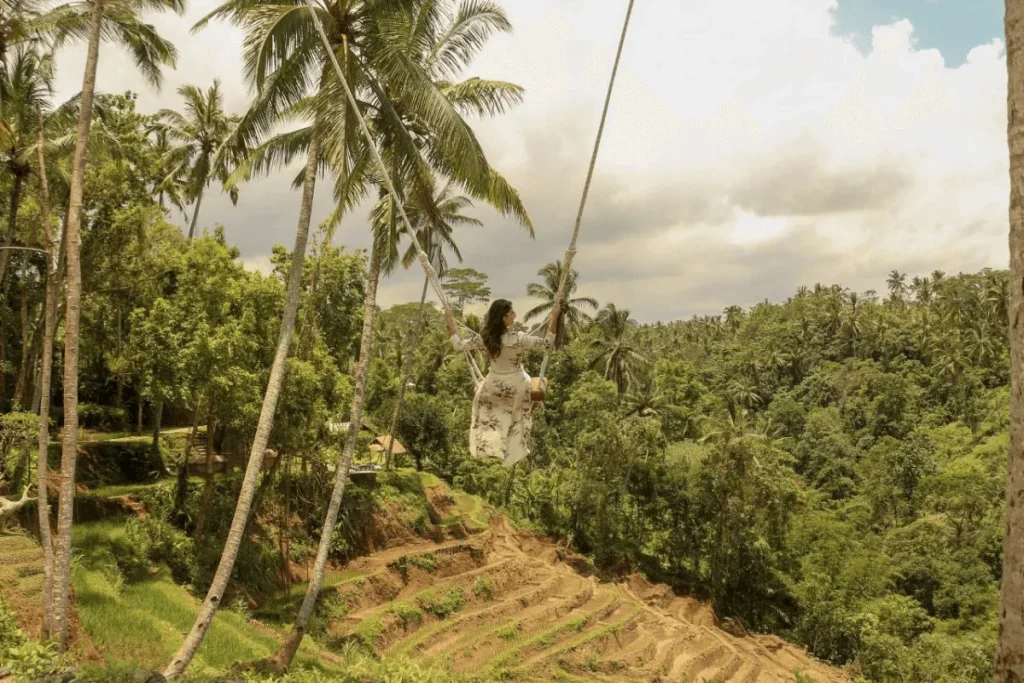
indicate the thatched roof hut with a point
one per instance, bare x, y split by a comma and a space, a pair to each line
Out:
380, 445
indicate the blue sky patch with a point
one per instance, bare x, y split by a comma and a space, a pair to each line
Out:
954, 27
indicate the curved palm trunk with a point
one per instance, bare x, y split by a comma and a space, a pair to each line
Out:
283, 659
72, 315
195, 637
195, 215
1009, 659
43, 388
406, 373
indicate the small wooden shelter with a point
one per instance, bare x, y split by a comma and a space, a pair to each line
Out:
380, 445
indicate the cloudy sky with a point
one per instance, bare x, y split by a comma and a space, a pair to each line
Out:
751, 146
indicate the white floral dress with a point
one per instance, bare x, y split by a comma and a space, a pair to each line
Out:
502, 410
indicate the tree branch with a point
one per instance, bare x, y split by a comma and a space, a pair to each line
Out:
9, 507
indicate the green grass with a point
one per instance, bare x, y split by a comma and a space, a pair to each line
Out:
369, 631
442, 604
409, 614
473, 510
131, 489
427, 562
143, 622
284, 605
510, 659
509, 631
483, 588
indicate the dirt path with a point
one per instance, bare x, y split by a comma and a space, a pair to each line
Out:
506, 605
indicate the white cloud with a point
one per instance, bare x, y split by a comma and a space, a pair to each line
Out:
748, 150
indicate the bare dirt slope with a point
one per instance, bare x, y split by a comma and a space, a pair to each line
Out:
505, 605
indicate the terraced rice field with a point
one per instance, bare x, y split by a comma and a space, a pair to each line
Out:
503, 605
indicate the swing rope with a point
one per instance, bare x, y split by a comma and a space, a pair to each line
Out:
424, 260
421, 254
571, 251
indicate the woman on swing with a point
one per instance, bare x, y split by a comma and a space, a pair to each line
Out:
502, 409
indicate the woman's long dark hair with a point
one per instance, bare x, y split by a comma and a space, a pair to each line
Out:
494, 326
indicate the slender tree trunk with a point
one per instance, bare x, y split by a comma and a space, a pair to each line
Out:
406, 373
181, 490
252, 471
58, 284
3, 351
261, 491
69, 456
12, 209
28, 343
204, 507
283, 526
43, 387
158, 416
283, 659
195, 215
6, 255
1009, 659
138, 417
120, 346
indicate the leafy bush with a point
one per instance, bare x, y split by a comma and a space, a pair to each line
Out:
483, 588
441, 605
157, 541
32, 660
10, 633
409, 614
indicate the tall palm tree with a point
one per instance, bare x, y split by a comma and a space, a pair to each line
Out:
1009, 659
204, 137
422, 131
417, 118
897, 284
99, 19
173, 177
572, 318
24, 22
433, 236
733, 318
646, 399
247, 493
615, 353
45, 374
27, 84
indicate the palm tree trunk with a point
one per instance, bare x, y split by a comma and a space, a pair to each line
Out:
1009, 659
58, 284
12, 220
283, 659
43, 387
195, 215
28, 343
12, 210
195, 637
406, 373
69, 454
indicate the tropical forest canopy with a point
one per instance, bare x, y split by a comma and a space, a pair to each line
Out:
830, 468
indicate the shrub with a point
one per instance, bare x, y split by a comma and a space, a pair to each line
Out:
441, 605
483, 588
